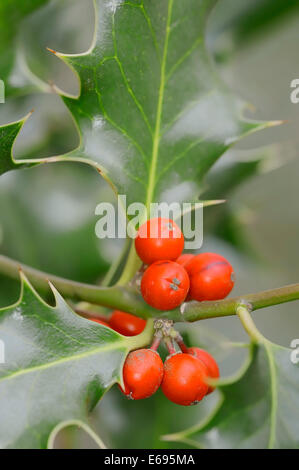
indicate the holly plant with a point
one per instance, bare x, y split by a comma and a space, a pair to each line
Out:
153, 116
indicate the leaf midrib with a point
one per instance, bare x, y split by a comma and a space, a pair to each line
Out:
65, 360
157, 132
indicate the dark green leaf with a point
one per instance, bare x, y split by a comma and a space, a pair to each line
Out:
226, 221
259, 410
245, 20
141, 424
12, 13
48, 223
8, 135
153, 115
224, 180
57, 366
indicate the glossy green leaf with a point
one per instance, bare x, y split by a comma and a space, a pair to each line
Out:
249, 20
228, 222
12, 13
260, 409
8, 135
127, 429
49, 224
68, 428
226, 179
152, 114
57, 366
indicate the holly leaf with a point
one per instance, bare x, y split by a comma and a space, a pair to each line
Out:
12, 64
224, 180
260, 409
229, 222
238, 23
167, 118
153, 115
51, 208
8, 135
57, 366
160, 415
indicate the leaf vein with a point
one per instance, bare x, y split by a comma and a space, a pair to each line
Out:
180, 156
198, 41
128, 86
64, 360
157, 133
120, 129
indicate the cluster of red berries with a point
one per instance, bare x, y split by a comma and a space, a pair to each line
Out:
171, 277
183, 377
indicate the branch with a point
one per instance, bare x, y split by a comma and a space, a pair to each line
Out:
129, 300
195, 311
122, 298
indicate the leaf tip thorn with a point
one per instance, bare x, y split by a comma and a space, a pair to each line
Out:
277, 123
51, 50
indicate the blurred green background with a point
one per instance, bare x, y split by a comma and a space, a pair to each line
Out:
47, 215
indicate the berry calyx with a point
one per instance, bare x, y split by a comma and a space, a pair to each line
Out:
159, 239
184, 380
211, 277
126, 324
209, 361
183, 260
142, 374
165, 285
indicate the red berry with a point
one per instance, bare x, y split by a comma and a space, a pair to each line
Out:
159, 239
184, 380
211, 277
142, 373
209, 361
98, 320
126, 324
183, 260
165, 285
